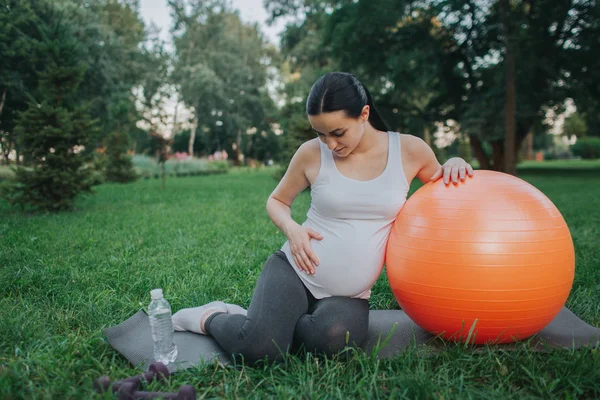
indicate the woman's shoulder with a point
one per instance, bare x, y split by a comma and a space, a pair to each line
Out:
412, 145
309, 156
414, 152
309, 150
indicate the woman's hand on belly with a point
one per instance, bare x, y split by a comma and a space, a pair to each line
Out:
299, 239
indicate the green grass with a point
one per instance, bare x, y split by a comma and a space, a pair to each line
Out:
560, 168
573, 164
554, 166
66, 277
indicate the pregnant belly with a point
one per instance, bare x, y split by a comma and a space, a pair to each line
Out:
346, 271
350, 260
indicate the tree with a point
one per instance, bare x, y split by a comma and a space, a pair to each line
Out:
18, 35
154, 90
113, 37
585, 73
161, 145
110, 33
543, 38
574, 126
119, 167
301, 62
551, 43
56, 126
510, 164
220, 72
153, 94
409, 83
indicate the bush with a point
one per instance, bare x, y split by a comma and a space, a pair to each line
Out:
6, 173
119, 167
148, 167
587, 148
98, 165
558, 154
47, 187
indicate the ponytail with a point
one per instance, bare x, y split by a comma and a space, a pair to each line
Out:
374, 117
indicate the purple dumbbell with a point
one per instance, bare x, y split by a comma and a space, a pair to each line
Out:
129, 391
157, 371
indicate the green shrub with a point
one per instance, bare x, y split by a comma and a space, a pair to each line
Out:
6, 173
587, 147
119, 167
148, 167
98, 166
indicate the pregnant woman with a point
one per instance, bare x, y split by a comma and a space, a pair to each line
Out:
313, 293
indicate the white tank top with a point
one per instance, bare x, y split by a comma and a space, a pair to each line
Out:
355, 219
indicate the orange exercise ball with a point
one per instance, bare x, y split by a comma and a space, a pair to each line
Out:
488, 260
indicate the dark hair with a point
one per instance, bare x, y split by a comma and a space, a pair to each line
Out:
341, 91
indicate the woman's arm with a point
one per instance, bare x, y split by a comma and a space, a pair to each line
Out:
291, 185
280, 202
430, 169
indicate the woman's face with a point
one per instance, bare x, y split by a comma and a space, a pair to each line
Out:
340, 133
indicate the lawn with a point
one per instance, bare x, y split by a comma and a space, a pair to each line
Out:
66, 277
572, 164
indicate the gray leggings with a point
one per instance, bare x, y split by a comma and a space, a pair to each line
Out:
283, 317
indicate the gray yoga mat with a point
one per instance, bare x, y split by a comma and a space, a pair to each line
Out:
390, 332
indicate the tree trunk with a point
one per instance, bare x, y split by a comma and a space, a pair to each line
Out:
497, 159
427, 136
193, 132
5, 148
192, 137
498, 155
175, 113
6, 154
191, 46
2, 100
250, 144
477, 147
238, 150
510, 165
528, 147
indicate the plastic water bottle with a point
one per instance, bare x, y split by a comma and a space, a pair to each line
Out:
161, 326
